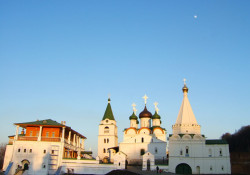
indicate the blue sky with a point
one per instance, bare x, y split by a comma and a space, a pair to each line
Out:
61, 59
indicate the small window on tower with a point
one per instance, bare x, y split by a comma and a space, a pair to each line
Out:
107, 140
107, 121
104, 150
142, 139
30, 150
104, 140
44, 151
106, 129
24, 150
19, 150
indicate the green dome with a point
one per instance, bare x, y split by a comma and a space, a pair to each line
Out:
156, 116
133, 117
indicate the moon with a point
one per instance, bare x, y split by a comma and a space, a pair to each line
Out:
195, 16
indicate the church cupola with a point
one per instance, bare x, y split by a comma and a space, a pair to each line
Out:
156, 118
186, 122
145, 116
133, 118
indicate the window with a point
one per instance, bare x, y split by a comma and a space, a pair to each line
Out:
47, 134
211, 168
142, 139
187, 151
222, 168
142, 152
37, 133
107, 140
30, 150
106, 129
135, 140
53, 134
220, 152
52, 151
31, 133
156, 150
181, 152
104, 150
107, 121
210, 153
24, 150
44, 151
104, 140
44, 166
19, 150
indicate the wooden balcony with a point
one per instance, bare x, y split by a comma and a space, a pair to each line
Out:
27, 138
51, 139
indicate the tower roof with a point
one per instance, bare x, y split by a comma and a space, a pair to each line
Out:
108, 113
186, 115
156, 116
145, 113
133, 117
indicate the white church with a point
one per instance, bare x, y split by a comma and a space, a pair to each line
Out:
48, 147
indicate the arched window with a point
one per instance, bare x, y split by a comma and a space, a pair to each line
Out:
222, 168
107, 140
181, 152
104, 150
156, 150
220, 152
104, 140
142, 139
106, 129
142, 152
187, 151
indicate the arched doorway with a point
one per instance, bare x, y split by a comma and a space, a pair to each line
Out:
25, 164
198, 169
148, 165
183, 168
105, 160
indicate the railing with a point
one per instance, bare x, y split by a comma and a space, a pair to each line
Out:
51, 139
27, 138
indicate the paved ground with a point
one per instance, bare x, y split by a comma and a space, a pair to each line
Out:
138, 170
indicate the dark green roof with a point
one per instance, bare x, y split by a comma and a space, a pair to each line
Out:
108, 113
156, 116
41, 122
216, 142
133, 116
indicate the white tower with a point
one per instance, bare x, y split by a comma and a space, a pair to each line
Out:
107, 137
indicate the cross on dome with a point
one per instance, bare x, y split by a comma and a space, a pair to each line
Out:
145, 98
184, 80
134, 109
156, 108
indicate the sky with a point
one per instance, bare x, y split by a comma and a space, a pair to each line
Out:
60, 59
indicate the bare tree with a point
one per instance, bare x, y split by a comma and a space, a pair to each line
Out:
2, 153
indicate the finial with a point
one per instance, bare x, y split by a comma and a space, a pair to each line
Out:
134, 109
109, 98
185, 88
145, 98
156, 108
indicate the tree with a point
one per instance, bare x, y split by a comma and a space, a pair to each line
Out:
239, 141
2, 153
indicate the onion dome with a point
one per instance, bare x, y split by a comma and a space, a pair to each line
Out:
145, 113
133, 117
185, 88
156, 116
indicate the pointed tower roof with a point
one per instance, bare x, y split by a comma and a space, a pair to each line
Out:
108, 113
186, 115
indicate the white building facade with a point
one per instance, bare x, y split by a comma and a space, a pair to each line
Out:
149, 137
41, 148
190, 152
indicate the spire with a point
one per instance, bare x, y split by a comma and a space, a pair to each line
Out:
108, 113
186, 115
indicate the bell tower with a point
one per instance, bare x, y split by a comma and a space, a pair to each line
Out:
107, 137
